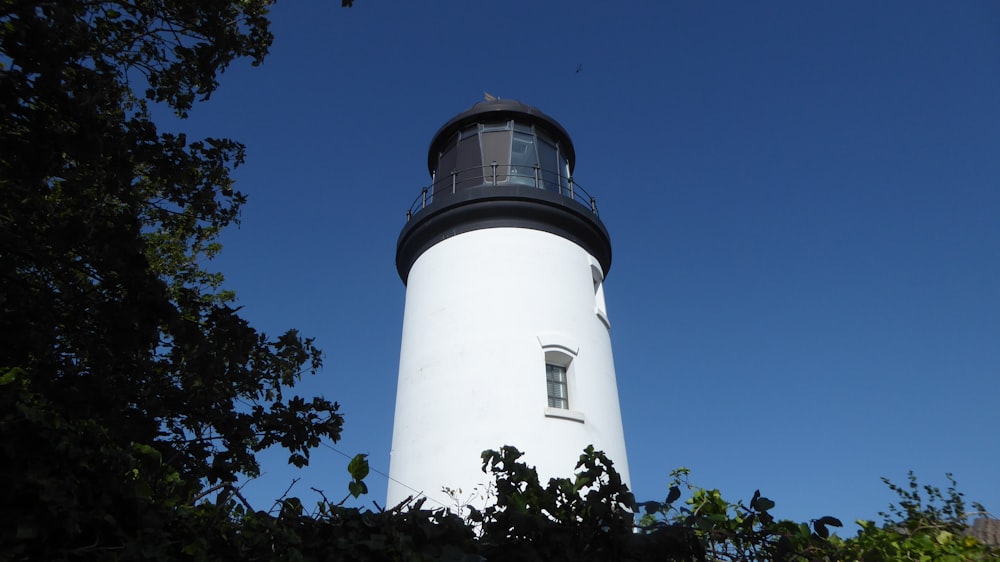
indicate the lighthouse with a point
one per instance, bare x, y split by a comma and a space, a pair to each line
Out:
505, 330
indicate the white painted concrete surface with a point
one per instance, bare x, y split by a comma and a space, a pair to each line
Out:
482, 309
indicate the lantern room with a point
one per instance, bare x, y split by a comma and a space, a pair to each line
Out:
501, 163
501, 142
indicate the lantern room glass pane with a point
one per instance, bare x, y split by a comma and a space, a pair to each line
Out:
523, 159
564, 175
472, 131
501, 126
496, 148
523, 128
469, 163
446, 164
547, 162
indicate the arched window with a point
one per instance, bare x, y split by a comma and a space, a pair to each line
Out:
560, 377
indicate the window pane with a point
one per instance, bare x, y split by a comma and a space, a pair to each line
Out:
472, 131
469, 162
496, 148
564, 172
555, 382
447, 162
523, 159
502, 126
548, 165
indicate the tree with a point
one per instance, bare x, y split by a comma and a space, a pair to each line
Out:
126, 373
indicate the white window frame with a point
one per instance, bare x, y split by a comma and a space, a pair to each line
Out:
559, 351
553, 366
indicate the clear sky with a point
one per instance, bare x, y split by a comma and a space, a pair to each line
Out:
802, 197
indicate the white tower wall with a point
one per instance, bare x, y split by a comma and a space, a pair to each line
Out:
484, 309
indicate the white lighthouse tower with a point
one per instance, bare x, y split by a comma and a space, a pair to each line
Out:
505, 331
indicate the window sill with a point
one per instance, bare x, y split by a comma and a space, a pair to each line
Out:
560, 413
604, 317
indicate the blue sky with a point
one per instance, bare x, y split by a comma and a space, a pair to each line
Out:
803, 201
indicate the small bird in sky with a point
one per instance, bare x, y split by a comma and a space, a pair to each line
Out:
579, 68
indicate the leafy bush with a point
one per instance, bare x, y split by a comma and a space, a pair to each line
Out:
927, 527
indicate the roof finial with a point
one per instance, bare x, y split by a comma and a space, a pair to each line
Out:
489, 97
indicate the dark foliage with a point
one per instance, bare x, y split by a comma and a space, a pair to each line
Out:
590, 517
115, 337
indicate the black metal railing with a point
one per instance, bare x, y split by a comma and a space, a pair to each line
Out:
496, 175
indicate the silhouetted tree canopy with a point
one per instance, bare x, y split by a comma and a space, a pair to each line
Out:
119, 346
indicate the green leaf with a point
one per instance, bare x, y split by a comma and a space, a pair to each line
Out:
821, 523
760, 503
673, 494
831, 521
358, 467
10, 375
357, 488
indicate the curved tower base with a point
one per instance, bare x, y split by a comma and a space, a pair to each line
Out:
490, 316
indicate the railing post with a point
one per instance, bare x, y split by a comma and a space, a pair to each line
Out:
571, 194
536, 175
494, 173
423, 198
409, 215
454, 173
593, 205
